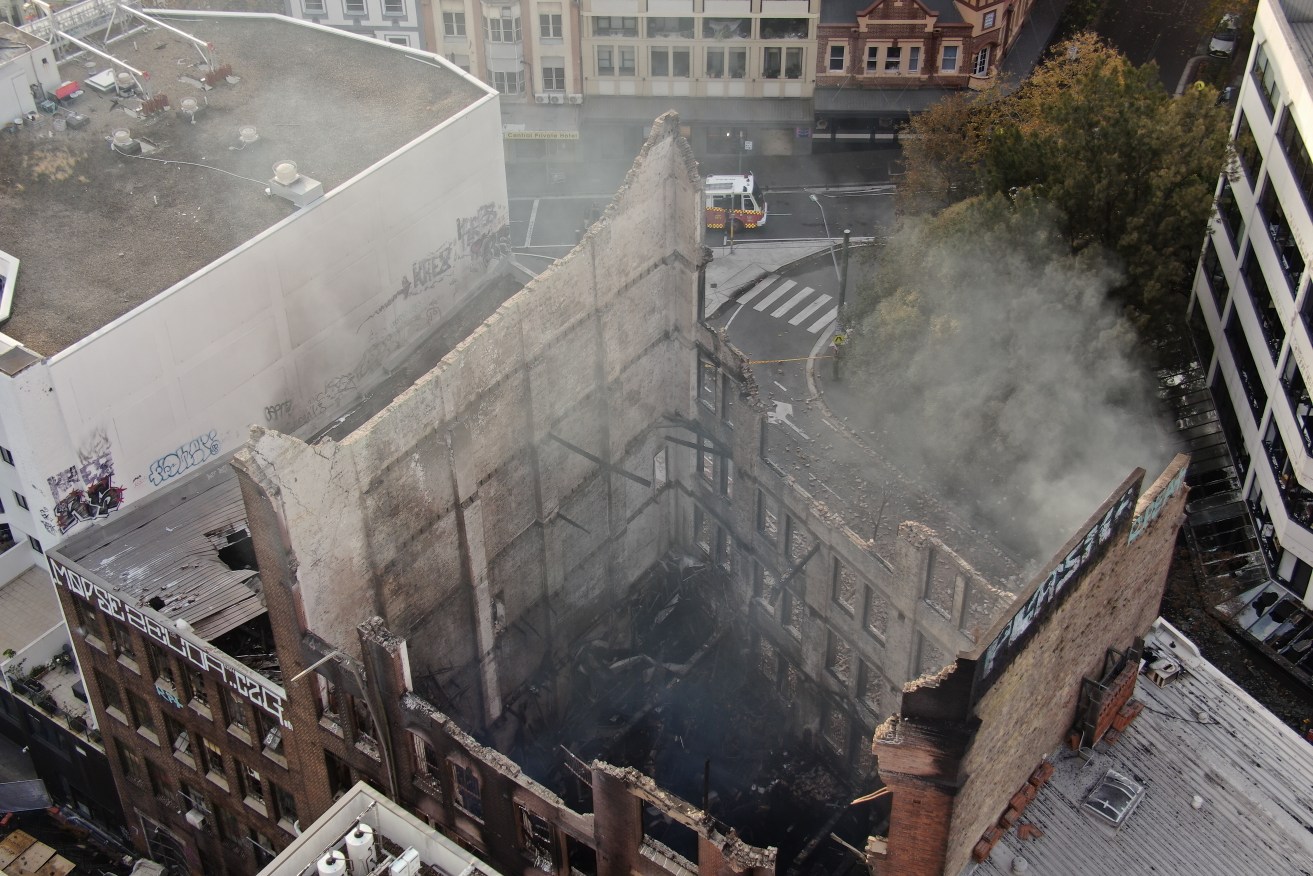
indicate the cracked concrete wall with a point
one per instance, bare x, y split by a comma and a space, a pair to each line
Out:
456, 514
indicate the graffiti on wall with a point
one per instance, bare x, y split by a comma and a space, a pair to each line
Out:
278, 412
485, 236
188, 456
424, 274
86, 491
243, 681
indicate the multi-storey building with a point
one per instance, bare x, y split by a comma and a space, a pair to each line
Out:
257, 236
1251, 307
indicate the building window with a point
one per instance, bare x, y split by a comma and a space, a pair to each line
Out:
453, 24
628, 56
1229, 211
141, 715
614, 26
872, 59
792, 68
990, 18
1265, 77
785, 29
949, 62
110, 697
837, 58
660, 62
35, 544
505, 29
178, 740
313, 7
549, 26
838, 657
7, 541
1301, 166
212, 760
121, 640
670, 28
355, 7
791, 614
870, 686
131, 764
466, 782
327, 700
394, 8
554, 79
772, 62
262, 847
980, 66
680, 63
251, 786
195, 685
893, 59
1246, 148
6, 456
536, 839
21, 500
269, 733
234, 708
876, 616
913, 59
726, 28
764, 585
1215, 275
845, 588
605, 61
285, 804
398, 40
508, 83
715, 63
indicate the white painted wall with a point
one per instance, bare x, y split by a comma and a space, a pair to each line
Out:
282, 331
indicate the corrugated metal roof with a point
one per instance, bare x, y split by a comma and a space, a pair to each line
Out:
1200, 735
173, 555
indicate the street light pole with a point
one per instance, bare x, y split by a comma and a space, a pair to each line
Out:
843, 273
820, 206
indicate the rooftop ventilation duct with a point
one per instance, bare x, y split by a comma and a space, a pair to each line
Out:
293, 185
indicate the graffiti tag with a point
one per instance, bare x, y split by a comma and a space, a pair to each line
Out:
84, 492
188, 456
274, 413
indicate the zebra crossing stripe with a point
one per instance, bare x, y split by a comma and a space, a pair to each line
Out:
821, 323
792, 302
774, 296
809, 309
757, 290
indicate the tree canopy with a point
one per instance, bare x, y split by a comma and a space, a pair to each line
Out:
1125, 165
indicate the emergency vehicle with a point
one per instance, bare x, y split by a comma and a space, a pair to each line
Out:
736, 197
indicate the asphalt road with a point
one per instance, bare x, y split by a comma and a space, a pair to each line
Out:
1169, 32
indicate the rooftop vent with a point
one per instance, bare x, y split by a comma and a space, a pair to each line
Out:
285, 172
190, 107
293, 185
1114, 798
122, 141
247, 134
332, 864
1162, 670
126, 85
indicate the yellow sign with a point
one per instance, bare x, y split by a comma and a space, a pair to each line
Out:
540, 135
840, 340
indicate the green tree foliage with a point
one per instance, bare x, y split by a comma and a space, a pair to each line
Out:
1124, 164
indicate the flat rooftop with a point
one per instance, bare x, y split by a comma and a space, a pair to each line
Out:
99, 233
1200, 736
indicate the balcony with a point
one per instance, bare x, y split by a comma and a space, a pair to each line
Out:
55, 689
1301, 406
1283, 239
1297, 500
1246, 368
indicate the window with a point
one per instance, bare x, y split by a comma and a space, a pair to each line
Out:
1301, 166
893, 59
845, 587
792, 610
793, 63
109, 695
913, 59
453, 24
1215, 275
121, 639
876, 616
870, 686
726, 28
178, 739
627, 61
772, 62
670, 28
785, 29
285, 804
680, 63
872, 59
767, 522
738, 63
234, 708
468, 797
1266, 78
394, 8
838, 657
6, 455
327, 702
1246, 148
141, 715
554, 79
502, 30
355, 7
549, 26
980, 65
251, 785
212, 760
35, 544
314, 7
262, 847
660, 62
990, 18
508, 83
837, 58
536, 838
131, 764
269, 733
195, 685
605, 61
715, 63
614, 26
398, 39
22, 501
949, 63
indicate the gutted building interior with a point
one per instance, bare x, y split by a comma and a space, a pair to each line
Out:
559, 596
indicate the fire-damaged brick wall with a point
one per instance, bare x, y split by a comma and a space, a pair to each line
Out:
975, 735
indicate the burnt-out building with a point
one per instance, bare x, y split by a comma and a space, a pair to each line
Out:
558, 598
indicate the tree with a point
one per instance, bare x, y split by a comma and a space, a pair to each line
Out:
1125, 165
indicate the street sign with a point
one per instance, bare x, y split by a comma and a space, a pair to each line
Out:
747, 145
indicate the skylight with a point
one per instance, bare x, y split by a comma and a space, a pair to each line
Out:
1114, 798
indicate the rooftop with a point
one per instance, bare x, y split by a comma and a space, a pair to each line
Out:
1226, 787
101, 232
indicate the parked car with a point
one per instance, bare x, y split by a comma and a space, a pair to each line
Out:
1224, 38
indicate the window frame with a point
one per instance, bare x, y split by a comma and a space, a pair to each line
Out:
551, 26
837, 58
453, 26
948, 52
989, 20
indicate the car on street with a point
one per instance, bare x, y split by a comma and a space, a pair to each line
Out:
1223, 42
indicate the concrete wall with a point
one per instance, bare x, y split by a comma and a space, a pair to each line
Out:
286, 330
454, 514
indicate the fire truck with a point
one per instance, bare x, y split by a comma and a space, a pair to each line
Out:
734, 198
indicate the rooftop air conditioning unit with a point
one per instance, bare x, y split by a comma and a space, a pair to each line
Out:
557, 98
541, 98
574, 98
1162, 671
196, 818
406, 864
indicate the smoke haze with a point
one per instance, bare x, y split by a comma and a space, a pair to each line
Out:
1001, 374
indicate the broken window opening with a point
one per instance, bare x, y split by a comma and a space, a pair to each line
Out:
427, 766
659, 462
796, 537
792, 613
931, 658
764, 585
768, 660
252, 645
339, 774
234, 708
871, 687
789, 691
707, 460
845, 588
121, 640
876, 618
270, 734
498, 614
702, 530
537, 840
835, 732
722, 548
941, 577
729, 388
838, 657
251, 785
707, 376
366, 734
328, 702
468, 789
212, 761
196, 691
727, 478
767, 523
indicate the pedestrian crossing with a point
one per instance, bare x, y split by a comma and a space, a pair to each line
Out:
798, 304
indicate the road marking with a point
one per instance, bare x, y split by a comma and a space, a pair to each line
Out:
781, 414
809, 309
756, 290
734, 314
792, 302
780, 385
824, 320
774, 296
533, 217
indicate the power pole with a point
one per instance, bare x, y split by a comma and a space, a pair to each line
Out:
843, 273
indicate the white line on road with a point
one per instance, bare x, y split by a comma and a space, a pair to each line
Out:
774, 296
756, 290
780, 385
809, 309
734, 314
792, 302
824, 320
533, 217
